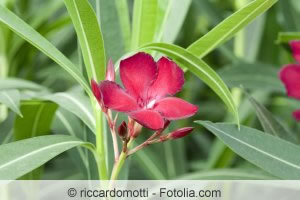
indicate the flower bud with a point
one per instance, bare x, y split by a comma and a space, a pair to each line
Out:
182, 132
122, 130
110, 71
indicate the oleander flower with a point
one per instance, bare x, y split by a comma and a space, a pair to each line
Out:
290, 76
147, 93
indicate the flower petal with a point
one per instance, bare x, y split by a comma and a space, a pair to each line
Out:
148, 118
137, 73
295, 46
96, 90
173, 108
110, 71
170, 79
114, 97
296, 115
290, 76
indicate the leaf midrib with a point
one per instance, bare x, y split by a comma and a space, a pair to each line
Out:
254, 148
45, 148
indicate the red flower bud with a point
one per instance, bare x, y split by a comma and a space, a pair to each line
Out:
122, 130
182, 132
110, 71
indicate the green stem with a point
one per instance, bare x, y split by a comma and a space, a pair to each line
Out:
101, 155
3, 75
119, 164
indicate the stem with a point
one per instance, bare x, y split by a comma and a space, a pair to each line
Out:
120, 162
101, 156
112, 126
3, 75
146, 143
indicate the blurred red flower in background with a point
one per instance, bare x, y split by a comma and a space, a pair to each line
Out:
290, 76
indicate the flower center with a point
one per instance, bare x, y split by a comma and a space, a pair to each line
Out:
151, 103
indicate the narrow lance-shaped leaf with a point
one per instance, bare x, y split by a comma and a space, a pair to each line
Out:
287, 37
18, 26
229, 27
274, 155
11, 98
252, 76
200, 69
144, 22
174, 16
26, 155
15, 83
270, 124
124, 20
110, 25
67, 123
36, 120
90, 37
78, 104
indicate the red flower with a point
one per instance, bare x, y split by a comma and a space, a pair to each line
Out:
290, 76
148, 87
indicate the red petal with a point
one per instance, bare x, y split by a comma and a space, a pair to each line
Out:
290, 76
137, 73
296, 114
148, 118
295, 46
110, 71
115, 97
174, 108
169, 81
96, 91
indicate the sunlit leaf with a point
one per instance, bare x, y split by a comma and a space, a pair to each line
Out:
229, 27
144, 22
287, 37
90, 37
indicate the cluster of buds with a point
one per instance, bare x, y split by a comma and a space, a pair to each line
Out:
147, 100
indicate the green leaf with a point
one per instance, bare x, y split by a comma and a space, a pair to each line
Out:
65, 122
36, 120
145, 160
229, 27
6, 130
11, 98
21, 157
174, 16
76, 103
124, 20
227, 174
144, 22
110, 25
274, 155
18, 26
287, 37
90, 37
270, 124
15, 83
200, 69
252, 76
